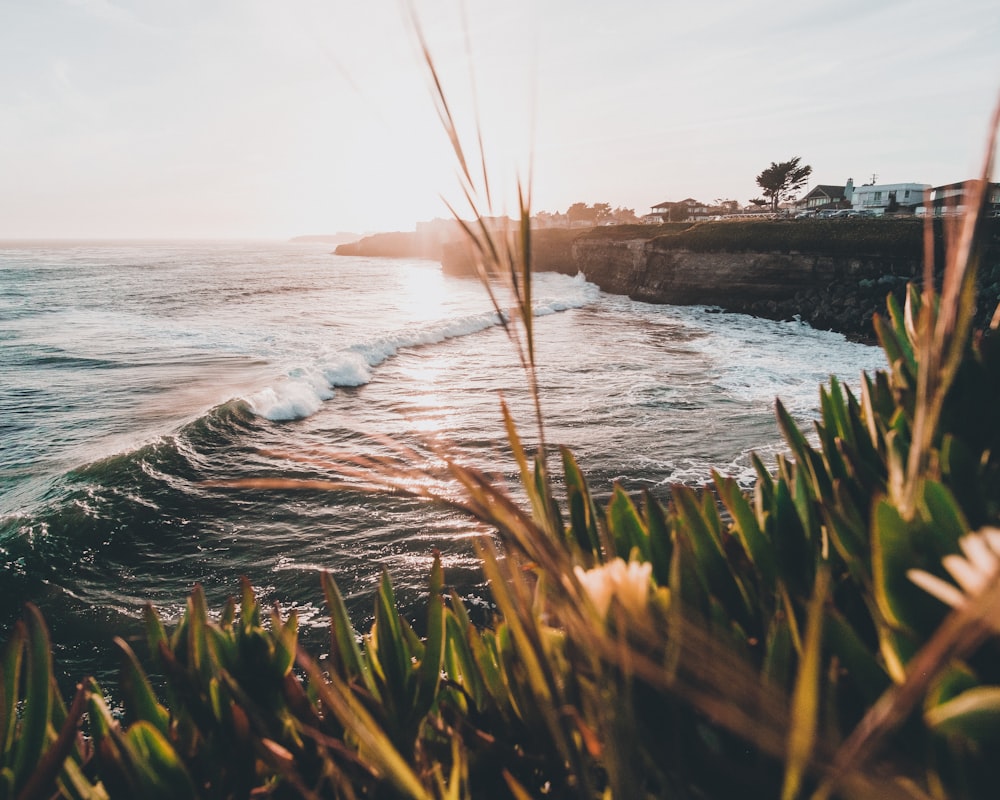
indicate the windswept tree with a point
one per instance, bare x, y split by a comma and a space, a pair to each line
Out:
780, 181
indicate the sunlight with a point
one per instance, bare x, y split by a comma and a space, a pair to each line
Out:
426, 407
423, 293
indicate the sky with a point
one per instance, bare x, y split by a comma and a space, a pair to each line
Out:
264, 119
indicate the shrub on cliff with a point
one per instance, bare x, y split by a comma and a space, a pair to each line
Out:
899, 239
620, 232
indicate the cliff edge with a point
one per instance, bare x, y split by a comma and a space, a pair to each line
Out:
834, 274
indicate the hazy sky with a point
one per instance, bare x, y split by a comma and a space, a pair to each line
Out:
255, 118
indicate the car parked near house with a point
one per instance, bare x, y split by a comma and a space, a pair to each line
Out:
837, 213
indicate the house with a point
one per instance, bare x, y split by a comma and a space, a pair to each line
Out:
880, 198
824, 196
682, 210
951, 199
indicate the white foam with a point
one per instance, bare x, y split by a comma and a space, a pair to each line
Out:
287, 401
757, 360
305, 388
350, 369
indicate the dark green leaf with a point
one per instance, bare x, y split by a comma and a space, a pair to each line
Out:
583, 513
140, 702
755, 543
626, 527
345, 656
37, 695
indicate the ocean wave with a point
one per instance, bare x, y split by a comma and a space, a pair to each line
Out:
304, 389
757, 360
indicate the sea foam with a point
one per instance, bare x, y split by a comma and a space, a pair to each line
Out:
758, 360
304, 389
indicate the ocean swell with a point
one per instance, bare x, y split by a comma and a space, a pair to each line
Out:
303, 389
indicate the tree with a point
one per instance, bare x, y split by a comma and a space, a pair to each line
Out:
596, 214
602, 212
624, 216
780, 181
759, 202
581, 212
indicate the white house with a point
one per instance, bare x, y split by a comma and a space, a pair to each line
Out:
882, 197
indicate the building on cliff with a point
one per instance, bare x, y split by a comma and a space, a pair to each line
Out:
952, 199
689, 210
881, 198
824, 195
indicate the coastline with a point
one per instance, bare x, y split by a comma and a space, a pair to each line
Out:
832, 274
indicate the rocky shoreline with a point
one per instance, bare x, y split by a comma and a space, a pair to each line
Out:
833, 274
829, 293
837, 280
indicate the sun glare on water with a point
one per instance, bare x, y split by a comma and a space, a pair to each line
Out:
427, 406
423, 293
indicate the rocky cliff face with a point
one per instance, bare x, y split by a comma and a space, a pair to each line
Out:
740, 271
645, 272
839, 293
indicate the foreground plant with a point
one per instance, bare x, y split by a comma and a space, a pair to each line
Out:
41, 749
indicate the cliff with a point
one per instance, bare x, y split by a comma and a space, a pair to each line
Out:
836, 292
400, 244
833, 274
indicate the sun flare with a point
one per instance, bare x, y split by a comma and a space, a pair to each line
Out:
423, 293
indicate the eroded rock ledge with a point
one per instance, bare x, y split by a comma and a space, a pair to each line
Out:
832, 274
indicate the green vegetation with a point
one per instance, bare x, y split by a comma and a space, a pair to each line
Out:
898, 239
596, 214
623, 232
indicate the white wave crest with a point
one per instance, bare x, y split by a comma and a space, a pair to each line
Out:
349, 369
287, 401
304, 389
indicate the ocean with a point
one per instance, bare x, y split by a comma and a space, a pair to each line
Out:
134, 376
